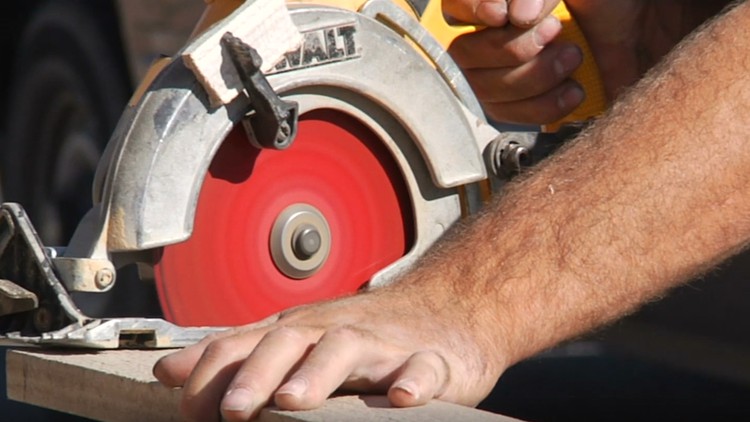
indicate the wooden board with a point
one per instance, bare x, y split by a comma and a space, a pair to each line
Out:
114, 386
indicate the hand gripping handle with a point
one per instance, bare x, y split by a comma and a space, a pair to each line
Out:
587, 75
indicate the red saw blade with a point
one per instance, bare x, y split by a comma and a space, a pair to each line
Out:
338, 173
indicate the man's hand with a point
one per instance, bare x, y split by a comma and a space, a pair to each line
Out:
516, 70
522, 75
400, 341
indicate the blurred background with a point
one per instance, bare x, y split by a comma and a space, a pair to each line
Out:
69, 68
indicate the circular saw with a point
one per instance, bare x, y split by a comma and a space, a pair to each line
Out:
292, 152
334, 210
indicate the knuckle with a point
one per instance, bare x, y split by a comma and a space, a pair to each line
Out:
219, 350
431, 371
519, 51
441, 369
346, 333
285, 334
218, 335
517, 46
212, 337
428, 356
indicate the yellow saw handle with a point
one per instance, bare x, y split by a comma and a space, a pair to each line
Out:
587, 75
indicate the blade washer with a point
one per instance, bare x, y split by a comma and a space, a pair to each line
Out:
300, 241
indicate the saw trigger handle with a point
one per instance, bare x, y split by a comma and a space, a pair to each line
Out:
587, 75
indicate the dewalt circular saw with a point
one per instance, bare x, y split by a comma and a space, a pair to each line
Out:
291, 152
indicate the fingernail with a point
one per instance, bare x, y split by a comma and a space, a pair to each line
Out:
567, 61
294, 387
570, 97
238, 400
527, 11
492, 13
407, 386
547, 30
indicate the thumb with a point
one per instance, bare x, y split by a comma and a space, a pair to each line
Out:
483, 12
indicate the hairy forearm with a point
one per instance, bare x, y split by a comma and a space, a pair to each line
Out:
655, 193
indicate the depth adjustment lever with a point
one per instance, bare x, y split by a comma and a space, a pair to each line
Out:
273, 124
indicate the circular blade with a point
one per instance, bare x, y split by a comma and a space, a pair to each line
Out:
346, 189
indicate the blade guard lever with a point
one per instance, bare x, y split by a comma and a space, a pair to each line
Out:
273, 124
